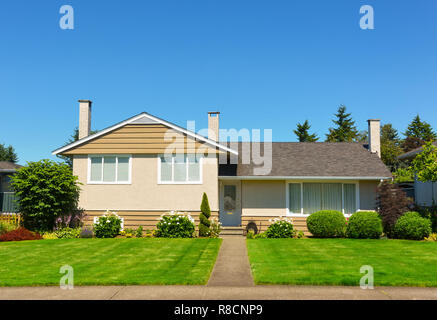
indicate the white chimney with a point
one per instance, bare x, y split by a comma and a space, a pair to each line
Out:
84, 118
213, 125
375, 136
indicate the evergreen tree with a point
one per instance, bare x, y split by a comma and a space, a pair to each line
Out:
302, 133
420, 129
345, 130
388, 133
205, 213
8, 153
73, 138
390, 146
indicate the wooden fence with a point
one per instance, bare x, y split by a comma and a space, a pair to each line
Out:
12, 218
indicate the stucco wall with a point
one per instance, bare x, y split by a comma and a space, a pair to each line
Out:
368, 195
144, 193
263, 198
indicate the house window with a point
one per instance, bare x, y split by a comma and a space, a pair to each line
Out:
308, 198
184, 169
109, 169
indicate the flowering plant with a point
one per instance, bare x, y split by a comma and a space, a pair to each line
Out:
108, 226
280, 228
175, 225
215, 228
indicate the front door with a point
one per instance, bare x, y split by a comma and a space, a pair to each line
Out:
230, 204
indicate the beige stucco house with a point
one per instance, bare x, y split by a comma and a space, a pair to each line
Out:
145, 166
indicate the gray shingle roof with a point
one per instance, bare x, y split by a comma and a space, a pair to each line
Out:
411, 154
317, 159
6, 165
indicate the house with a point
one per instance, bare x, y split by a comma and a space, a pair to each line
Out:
145, 166
425, 193
7, 195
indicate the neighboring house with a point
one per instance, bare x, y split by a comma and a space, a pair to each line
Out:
7, 195
124, 168
425, 193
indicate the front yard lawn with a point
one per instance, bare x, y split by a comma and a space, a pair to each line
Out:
338, 261
108, 261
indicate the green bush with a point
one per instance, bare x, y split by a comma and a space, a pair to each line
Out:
364, 225
86, 232
6, 227
281, 228
327, 224
46, 190
67, 233
429, 213
204, 223
175, 225
412, 226
108, 225
215, 228
139, 232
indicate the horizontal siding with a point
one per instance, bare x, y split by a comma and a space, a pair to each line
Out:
134, 219
140, 139
263, 223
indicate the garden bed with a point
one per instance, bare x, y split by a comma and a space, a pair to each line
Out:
136, 261
338, 261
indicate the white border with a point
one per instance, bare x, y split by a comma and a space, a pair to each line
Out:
172, 172
130, 120
129, 156
301, 214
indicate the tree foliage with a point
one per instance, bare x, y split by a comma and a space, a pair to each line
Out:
344, 130
424, 164
204, 223
8, 153
420, 130
302, 133
46, 190
392, 203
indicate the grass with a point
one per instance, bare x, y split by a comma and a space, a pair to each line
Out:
108, 261
338, 261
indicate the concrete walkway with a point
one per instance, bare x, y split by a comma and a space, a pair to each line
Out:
216, 293
232, 268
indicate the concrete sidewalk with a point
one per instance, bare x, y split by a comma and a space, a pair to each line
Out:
216, 293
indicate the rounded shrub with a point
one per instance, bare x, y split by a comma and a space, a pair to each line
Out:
364, 225
175, 225
280, 228
412, 226
327, 224
108, 226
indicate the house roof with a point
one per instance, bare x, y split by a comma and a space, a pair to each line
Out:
318, 160
142, 118
6, 166
413, 153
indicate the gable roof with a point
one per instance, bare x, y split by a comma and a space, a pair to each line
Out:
6, 166
412, 153
143, 118
314, 160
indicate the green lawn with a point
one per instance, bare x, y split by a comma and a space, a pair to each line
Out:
338, 261
108, 261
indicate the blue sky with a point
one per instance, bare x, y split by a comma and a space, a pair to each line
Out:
262, 64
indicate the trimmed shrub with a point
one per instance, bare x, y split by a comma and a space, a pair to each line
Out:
364, 225
281, 228
108, 226
175, 225
412, 226
392, 203
204, 223
429, 213
46, 190
20, 234
327, 224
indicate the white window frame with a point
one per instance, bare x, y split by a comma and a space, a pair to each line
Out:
301, 214
172, 171
129, 156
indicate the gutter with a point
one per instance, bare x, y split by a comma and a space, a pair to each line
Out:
299, 178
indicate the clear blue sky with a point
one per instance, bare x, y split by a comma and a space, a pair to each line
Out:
262, 64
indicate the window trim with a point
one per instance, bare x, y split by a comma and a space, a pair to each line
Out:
301, 182
129, 156
172, 172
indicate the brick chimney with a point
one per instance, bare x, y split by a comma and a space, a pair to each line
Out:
84, 118
213, 125
375, 136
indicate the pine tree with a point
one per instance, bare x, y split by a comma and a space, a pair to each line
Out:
302, 133
420, 129
388, 133
205, 213
8, 154
390, 146
345, 130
